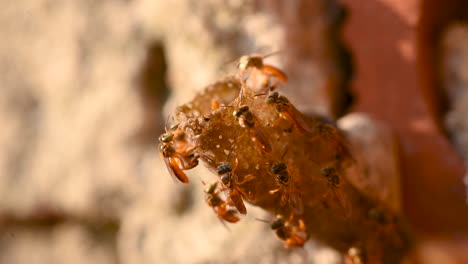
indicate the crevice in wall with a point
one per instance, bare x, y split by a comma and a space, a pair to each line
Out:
153, 91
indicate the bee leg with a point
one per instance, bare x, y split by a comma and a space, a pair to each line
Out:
246, 179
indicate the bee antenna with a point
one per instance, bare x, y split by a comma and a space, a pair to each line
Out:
284, 154
262, 220
241, 94
230, 61
225, 226
226, 106
230, 151
208, 157
315, 162
260, 94
272, 53
167, 120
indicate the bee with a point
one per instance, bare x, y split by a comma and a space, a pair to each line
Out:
287, 112
255, 61
388, 224
177, 158
220, 207
379, 216
330, 133
287, 232
334, 183
289, 193
229, 181
246, 119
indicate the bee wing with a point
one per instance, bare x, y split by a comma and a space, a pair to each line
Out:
230, 216
261, 139
235, 199
296, 203
292, 114
332, 133
343, 202
187, 162
213, 201
169, 167
273, 71
295, 240
250, 196
174, 170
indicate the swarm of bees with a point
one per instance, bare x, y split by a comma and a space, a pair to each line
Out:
267, 153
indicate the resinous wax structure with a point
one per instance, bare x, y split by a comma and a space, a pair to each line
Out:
267, 153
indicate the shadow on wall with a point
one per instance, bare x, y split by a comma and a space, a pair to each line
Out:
153, 89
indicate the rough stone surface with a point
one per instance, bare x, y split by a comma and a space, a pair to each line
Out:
67, 74
62, 243
76, 102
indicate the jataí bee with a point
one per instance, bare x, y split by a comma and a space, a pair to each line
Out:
247, 120
268, 72
289, 192
220, 207
292, 235
288, 112
230, 182
177, 154
334, 184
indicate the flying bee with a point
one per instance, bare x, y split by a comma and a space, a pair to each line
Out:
334, 184
229, 181
220, 207
177, 158
255, 61
246, 119
288, 112
287, 232
289, 193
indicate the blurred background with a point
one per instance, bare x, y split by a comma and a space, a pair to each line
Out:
86, 87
